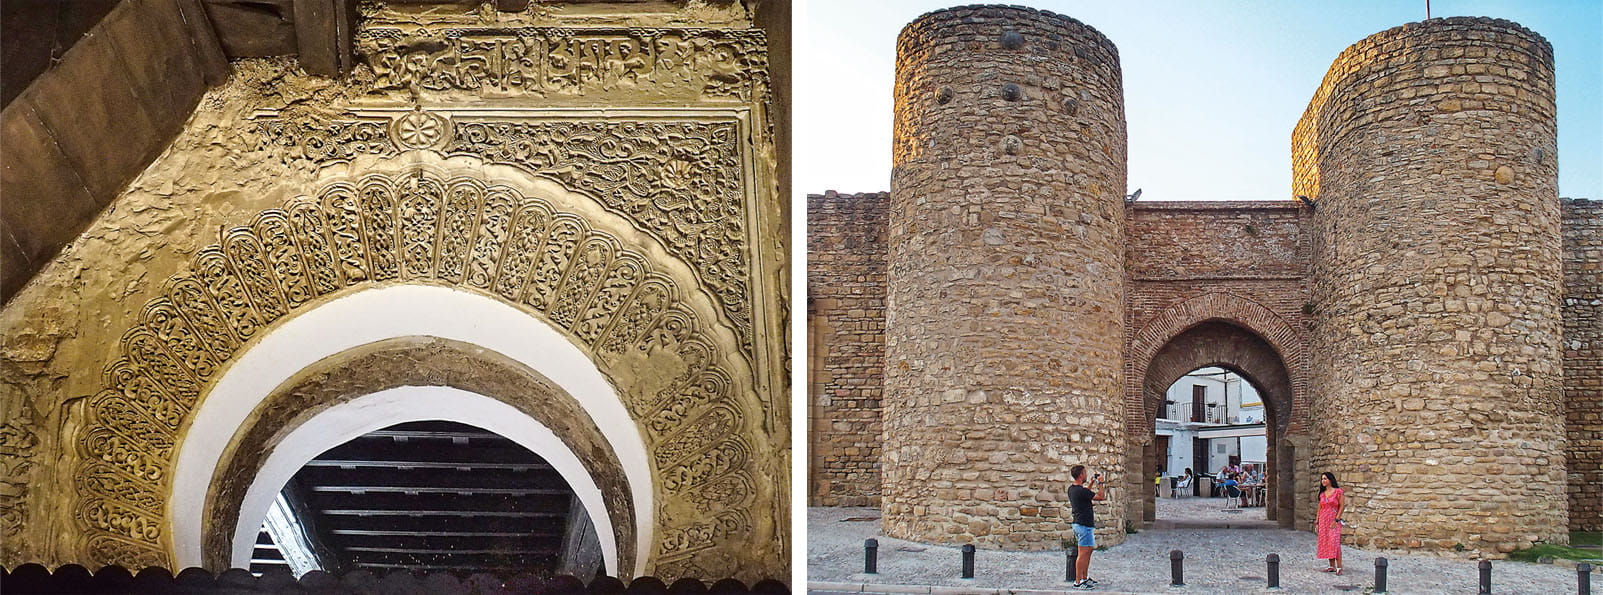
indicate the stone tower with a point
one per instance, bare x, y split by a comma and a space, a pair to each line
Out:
1429, 151
1006, 265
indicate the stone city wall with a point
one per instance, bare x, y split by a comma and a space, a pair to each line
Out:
1436, 377
1583, 360
846, 346
1417, 306
1006, 294
1208, 238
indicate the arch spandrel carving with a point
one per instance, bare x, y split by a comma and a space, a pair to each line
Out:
618, 294
682, 181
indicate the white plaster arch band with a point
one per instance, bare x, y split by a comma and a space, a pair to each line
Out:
392, 312
376, 411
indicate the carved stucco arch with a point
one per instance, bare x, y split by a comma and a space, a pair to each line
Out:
1250, 315
616, 292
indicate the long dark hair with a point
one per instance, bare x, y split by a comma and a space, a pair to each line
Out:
1332, 478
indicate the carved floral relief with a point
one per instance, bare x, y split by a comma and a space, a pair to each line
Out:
681, 181
414, 226
686, 177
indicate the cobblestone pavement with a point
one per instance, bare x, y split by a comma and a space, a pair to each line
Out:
1216, 561
1182, 510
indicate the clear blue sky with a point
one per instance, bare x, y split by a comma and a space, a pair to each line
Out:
1212, 88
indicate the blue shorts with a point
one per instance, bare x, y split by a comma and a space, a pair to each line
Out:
1084, 536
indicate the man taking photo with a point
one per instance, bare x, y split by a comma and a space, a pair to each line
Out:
1080, 499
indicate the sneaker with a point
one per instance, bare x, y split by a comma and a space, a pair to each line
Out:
1084, 586
1092, 581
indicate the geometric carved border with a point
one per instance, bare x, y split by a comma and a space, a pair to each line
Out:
418, 227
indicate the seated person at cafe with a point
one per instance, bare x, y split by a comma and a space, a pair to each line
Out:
1229, 487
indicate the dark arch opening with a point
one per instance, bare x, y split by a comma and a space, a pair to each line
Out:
432, 496
1216, 343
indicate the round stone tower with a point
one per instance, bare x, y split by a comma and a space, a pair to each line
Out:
1430, 153
1005, 310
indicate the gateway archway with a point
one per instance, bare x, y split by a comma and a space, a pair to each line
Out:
1235, 334
1224, 345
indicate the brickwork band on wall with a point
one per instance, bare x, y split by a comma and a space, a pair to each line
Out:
1436, 377
846, 338
1005, 305
1583, 360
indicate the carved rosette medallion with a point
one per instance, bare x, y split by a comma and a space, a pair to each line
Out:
420, 130
418, 227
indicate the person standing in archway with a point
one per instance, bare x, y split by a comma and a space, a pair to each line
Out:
1332, 502
1080, 499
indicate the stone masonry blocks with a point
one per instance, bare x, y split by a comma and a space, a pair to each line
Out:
1005, 307
1436, 376
846, 345
1414, 308
1583, 360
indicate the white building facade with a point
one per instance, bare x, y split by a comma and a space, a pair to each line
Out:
1213, 417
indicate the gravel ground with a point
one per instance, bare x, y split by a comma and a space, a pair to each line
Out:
1216, 561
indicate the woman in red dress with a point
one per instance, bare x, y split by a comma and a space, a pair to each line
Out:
1332, 501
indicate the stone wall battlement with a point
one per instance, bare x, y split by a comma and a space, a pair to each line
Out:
1583, 360
846, 345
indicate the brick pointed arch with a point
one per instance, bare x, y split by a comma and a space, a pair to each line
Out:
1219, 328
617, 294
1240, 311
1227, 345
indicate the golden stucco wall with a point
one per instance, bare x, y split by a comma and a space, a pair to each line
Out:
655, 115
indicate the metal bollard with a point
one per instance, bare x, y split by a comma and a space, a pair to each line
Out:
1274, 571
1071, 558
1176, 560
1486, 577
1380, 574
871, 556
968, 561
1583, 579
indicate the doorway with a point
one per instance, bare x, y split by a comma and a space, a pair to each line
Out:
429, 496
